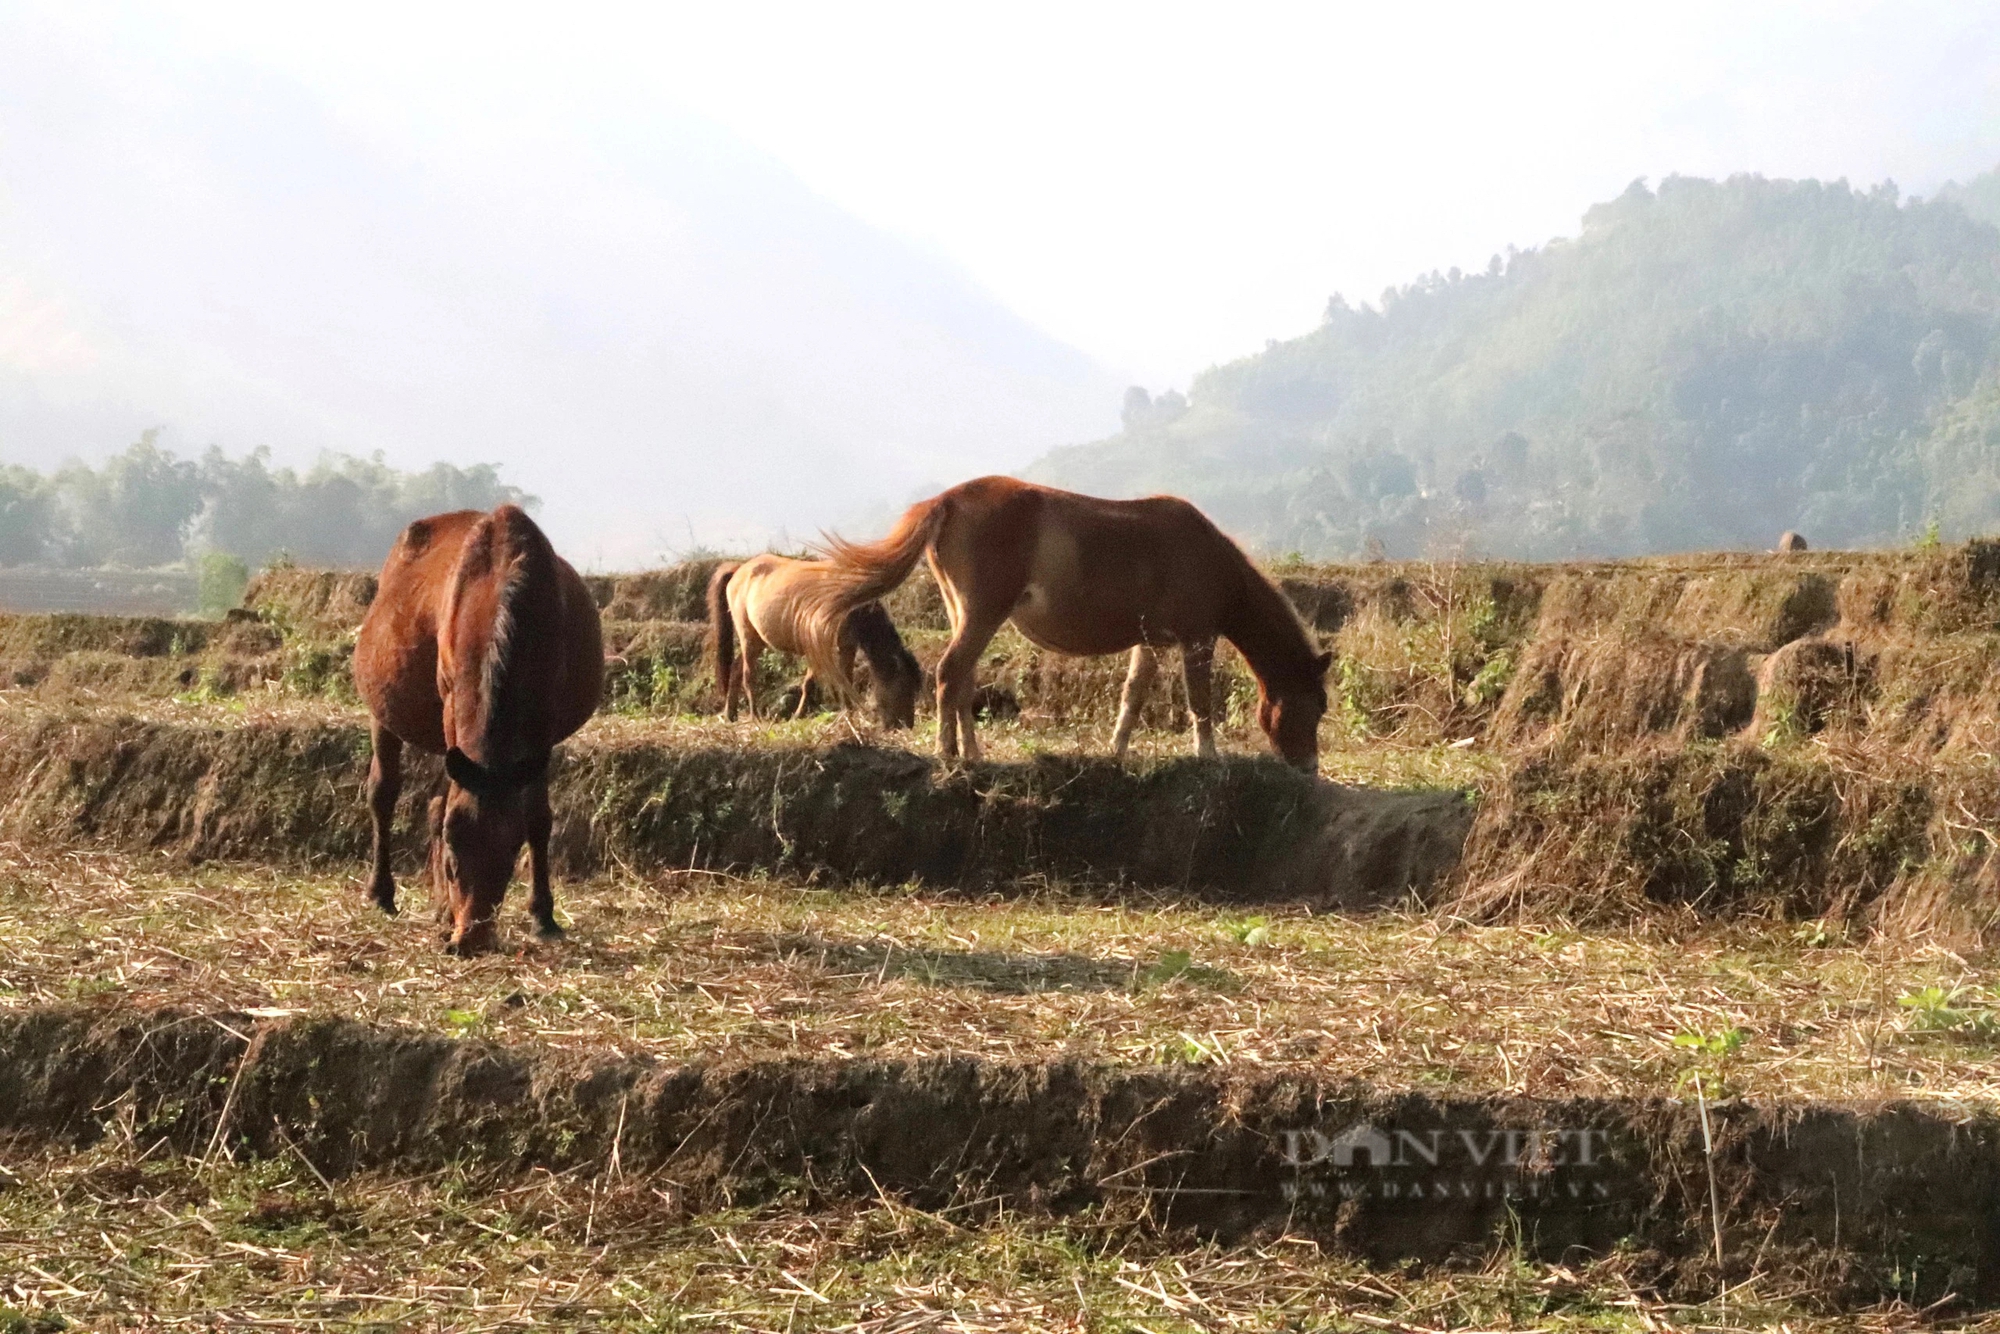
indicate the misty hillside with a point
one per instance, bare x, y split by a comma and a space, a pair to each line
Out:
660, 331
1701, 367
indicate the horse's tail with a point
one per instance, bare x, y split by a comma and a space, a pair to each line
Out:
854, 573
722, 627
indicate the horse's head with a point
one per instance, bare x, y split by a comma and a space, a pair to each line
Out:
1290, 716
477, 829
896, 691
895, 674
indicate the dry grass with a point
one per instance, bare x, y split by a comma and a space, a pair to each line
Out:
1600, 654
695, 967
130, 1237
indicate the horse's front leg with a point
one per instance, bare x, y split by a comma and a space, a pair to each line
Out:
385, 784
541, 897
1198, 670
805, 695
849, 696
1138, 681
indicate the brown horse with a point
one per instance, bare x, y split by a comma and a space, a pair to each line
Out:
481, 645
758, 604
1084, 576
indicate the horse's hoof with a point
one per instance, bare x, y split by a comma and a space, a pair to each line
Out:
548, 928
479, 940
383, 899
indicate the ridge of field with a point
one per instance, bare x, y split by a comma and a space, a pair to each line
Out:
1192, 1152
278, 785
1805, 735
1600, 652
750, 1045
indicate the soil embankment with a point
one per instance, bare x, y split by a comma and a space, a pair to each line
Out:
290, 793
1870, 1201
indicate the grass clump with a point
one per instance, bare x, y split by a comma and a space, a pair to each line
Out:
1951, 1010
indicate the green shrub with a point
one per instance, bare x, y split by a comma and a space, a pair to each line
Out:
223, 579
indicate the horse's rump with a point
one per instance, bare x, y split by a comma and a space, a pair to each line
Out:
503, 636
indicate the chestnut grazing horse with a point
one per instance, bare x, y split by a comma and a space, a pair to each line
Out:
1084, 576
758, 603
481, 645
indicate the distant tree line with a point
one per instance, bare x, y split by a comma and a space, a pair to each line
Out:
148, 507
1704, 366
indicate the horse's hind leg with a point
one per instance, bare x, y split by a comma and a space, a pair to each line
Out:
733, 681
746, 667
541, 897
958, 672
1138, 680
1198, 669
385, 784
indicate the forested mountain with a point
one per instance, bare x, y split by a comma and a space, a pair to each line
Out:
1703, 366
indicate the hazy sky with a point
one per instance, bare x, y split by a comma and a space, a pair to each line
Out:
713, 272
1168, 185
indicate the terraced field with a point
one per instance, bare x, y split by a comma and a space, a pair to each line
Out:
1632, 970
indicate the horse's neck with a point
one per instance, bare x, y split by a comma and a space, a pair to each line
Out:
1266, 631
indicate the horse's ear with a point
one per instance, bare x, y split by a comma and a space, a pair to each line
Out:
465, 771
1324, 661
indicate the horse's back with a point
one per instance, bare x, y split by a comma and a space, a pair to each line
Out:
1093, 575
1149, 528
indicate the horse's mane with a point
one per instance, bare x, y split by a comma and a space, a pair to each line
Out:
507, 547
